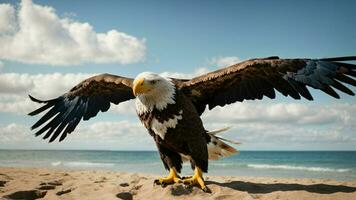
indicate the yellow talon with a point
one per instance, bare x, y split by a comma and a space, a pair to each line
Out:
171, 178
197, 179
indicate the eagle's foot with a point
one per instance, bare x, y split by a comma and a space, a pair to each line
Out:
196, 179
171, 178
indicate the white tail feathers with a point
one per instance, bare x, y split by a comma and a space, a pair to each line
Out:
217, 148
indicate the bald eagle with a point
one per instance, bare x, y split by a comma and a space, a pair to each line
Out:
170, 108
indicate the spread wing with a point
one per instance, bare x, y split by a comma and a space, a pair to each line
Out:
256, 78
83, 101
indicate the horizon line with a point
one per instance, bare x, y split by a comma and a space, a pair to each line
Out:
138, 150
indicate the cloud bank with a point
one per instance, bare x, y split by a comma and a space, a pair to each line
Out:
103, 135
36, 34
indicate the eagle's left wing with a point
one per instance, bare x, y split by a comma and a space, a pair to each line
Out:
83, 101
253, 79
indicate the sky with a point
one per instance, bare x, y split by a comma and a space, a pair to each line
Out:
49, 46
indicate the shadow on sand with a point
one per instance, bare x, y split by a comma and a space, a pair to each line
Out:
263, 188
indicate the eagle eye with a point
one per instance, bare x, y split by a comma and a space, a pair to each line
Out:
153, 81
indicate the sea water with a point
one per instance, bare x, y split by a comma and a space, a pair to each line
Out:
338, 165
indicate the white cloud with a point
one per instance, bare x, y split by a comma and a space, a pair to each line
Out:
7, 18
43, 85
223, 61
20, 106
289, 134
126, 134
286, 125
199, 71
288, 113
98, 135
215, 61
273, 136
124, 108
38, 35
15, 87
13, 132
111, 130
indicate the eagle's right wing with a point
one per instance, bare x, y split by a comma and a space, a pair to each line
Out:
85, 100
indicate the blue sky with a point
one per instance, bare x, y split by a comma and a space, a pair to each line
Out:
176, 37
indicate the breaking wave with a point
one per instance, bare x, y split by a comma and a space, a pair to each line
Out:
55, 164
291, 167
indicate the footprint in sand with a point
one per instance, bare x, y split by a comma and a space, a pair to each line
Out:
49, 185
99, 181
4, 176
125, 196
223, 197
46, 187
124, 184
55, 183
128, 195
178, 190
64, 191
29, 195
2, 183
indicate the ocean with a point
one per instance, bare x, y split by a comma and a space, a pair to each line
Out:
337, 165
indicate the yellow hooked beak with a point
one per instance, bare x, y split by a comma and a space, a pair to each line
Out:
140, 87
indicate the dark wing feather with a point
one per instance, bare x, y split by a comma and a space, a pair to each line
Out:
84, 101
256, 78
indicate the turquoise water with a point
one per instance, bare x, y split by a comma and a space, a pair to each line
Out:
339, 165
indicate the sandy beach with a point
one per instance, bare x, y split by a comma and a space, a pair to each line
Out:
35, 183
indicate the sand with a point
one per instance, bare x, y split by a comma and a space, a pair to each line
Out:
34, 183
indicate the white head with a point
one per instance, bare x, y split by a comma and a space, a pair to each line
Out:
153, 90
